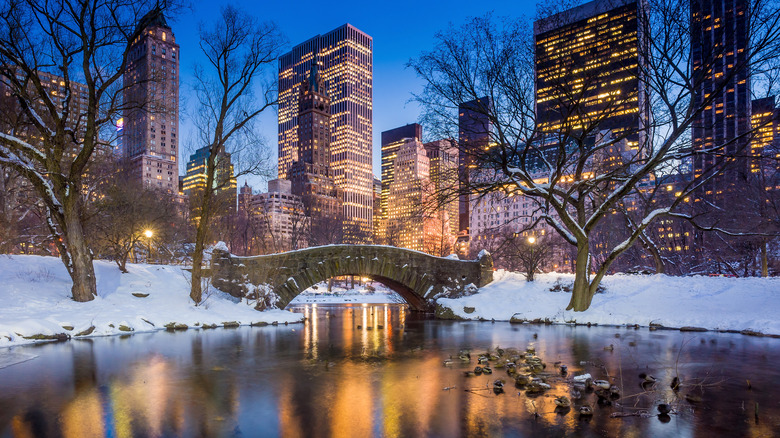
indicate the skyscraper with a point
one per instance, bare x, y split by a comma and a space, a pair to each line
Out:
312, 177
765, 144
194, 181
346, 57
408, 223
474, 128
151, 99
719, 37
587, 71
391, 142
443, 165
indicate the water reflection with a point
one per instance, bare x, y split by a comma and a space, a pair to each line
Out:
376, 370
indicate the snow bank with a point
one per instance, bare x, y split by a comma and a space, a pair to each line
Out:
35, 297
714, 303
319, 294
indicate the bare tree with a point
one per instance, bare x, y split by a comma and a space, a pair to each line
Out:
63, 63
239, 50
124, 210
580, 169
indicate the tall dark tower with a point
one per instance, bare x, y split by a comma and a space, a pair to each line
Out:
312, 177
314, 121
719, 33
151, 98
474, 128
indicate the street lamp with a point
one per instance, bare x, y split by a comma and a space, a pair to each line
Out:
149, 234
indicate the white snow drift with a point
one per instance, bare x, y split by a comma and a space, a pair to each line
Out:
35, 300
715, 303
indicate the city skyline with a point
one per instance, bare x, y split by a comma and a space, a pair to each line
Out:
393, 82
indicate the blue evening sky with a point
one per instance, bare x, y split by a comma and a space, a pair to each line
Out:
400, 29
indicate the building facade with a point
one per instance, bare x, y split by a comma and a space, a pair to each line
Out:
765, 144
391, 142
279, 219
408, 224
719, 39
587, 71
443, 165
224, 184
151, 98
474, 131
346, 57
312, 177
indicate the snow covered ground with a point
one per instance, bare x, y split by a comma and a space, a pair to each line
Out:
714, 303
35, 300
340, 295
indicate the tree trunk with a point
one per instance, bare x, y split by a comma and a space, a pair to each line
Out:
581, 294
659, 262
121, 262
78, 259
196, 292
764, 260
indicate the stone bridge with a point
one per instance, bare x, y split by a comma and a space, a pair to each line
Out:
418, 277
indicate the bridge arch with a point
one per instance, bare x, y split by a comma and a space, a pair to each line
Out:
418, 277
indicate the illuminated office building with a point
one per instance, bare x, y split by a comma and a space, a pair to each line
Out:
151, 98
408, 224
765, 144
346, 57
377, 210
224, 181
391, 142
587, 71
443, 170
312, 177
474, 130
719, 40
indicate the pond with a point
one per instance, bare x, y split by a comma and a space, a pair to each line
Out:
378, 370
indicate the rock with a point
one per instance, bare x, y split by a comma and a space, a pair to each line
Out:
751, 333
258, 324
124, 328
231, 324
469, 310
446, 313
86, 332
68, 327
140, 295
515, 319
692, 329
176, 326
54, 337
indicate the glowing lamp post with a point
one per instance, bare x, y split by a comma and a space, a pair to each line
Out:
149, 234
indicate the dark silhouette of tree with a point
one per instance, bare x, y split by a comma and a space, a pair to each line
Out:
580, 170
238, 50
63, 63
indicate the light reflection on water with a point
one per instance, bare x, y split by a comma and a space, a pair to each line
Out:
376, 370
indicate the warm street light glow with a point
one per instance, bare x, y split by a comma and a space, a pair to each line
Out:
531, 240
148, 233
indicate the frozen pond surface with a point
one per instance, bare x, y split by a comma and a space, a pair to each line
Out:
377, 370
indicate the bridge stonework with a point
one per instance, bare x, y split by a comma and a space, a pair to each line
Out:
418, 277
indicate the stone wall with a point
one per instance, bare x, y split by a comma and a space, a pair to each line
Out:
419, 278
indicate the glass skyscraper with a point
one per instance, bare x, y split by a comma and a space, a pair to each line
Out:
345, 56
